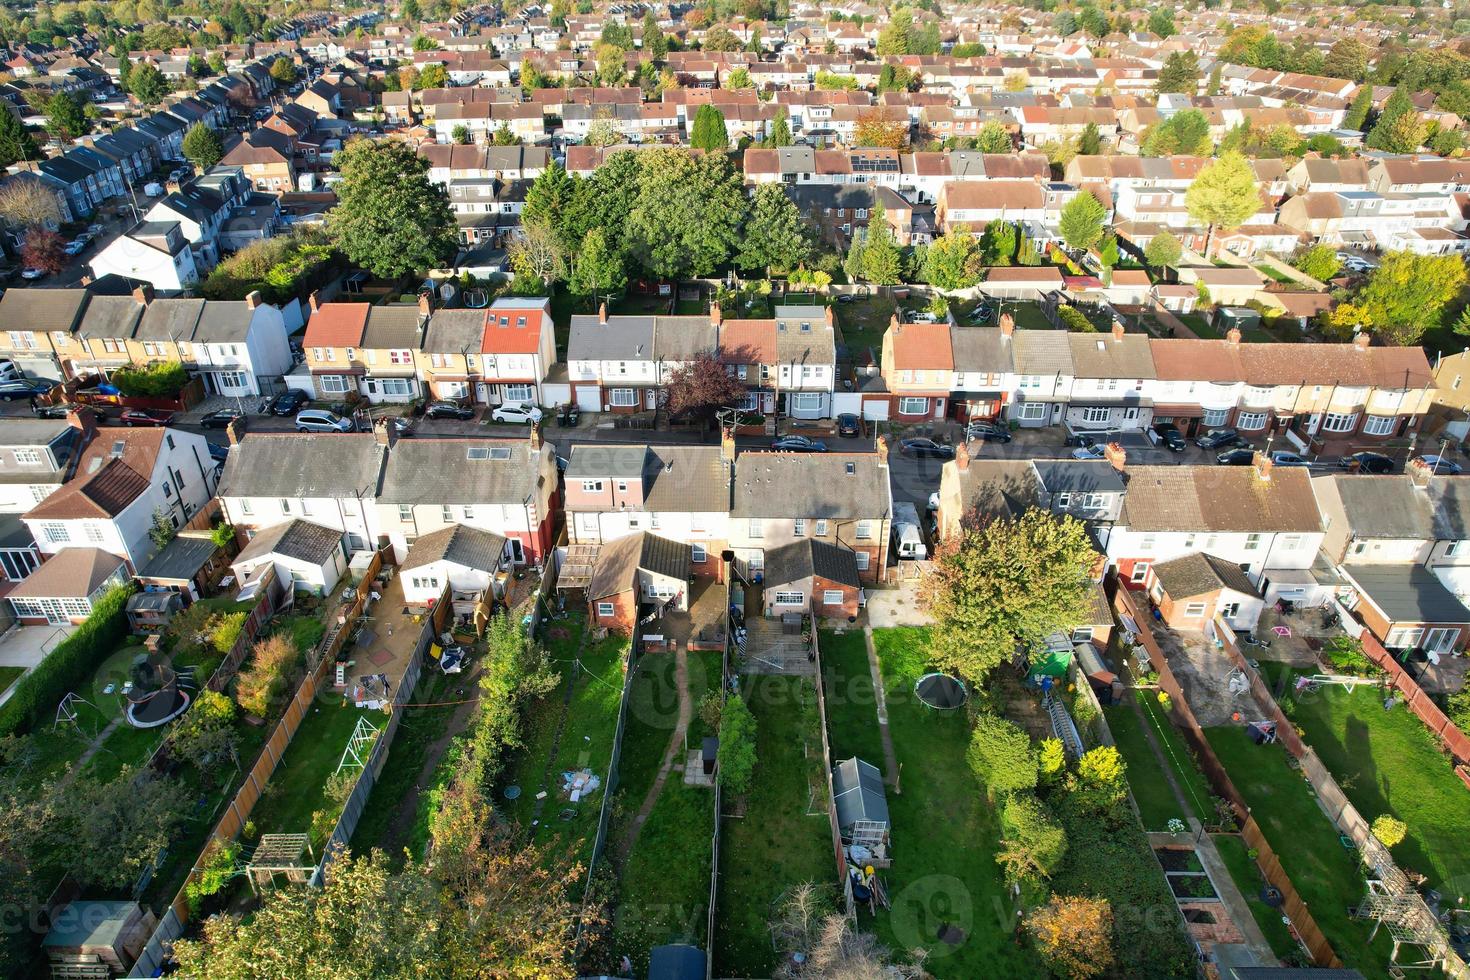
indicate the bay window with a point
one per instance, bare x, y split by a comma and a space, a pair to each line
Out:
623, 397
1215, 417
1339, 421
1251, 421
1379, 425
913, 406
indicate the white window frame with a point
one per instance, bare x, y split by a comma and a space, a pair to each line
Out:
906, 405
1339, 421
1033, 411
1252, 542
1250, 421
756, 528
1096, 413
863, 531
1215, 417
606, 609
622, 397
821, 529
697, 554
1139, 574
518, 392
798, 527
1082, 634
56, 532
1405, 637
790, 599
1379, 425
833, 597
592, 486
1195, 609
863, 560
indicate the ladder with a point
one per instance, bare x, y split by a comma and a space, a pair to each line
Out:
1062, 726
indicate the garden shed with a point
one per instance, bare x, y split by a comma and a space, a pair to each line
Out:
857, 789
97, 939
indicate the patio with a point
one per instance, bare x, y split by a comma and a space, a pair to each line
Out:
385, 642
701, 626
1205, 673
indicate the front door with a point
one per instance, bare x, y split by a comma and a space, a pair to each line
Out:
517, 551
55, 615
650, 398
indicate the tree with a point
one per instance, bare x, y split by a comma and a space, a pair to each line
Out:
1026, 253
1348, 59
602, 132
897, 36
655, 45
117, 827
432, 75
1161, 22
882, 259
202, 147
28, 203
736, 759
948, 263
708, 130
775, 236
283, 71
64, 117
700, 388
205, 736
1186, 132
739, 79
147, 83
1005, 582
852, 263
1099, 785
16, 143
1223, 195
548, 199
537, 258
1389, 830
1180, 74
1032, 842
1408, 294
688, 213
1081, 221
460, 134
719, 38
409, 11
597, 270
997, 244
1074, 936
1001, 756
1318, 261
44, 249
612, 65
389, 218
993, 138
1405, 134
1162, 250
1387, 132
1089, 144
1357, 114
873, 130
780, 131
826, 81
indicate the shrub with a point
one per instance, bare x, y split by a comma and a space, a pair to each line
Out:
1458, 708
69, 665
1033, 843
710, 708
263, 678
736, 758
1084, 709
1345, 655
157, 379
1074, 320
1074, 936
1389, 830
1099, 786
218, 868
1001, 756
1053, 759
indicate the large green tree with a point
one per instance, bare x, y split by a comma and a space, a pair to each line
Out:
687, 217
16, 143
780, 131
882, 258
1032, 842
549, 202
1003, 583
1081, 221
390, 219
1362, 105
1386, 133
1223, 195
64, 117
597, 270
202, 147
1408, 294
1002, 757
1163, 250
993, 138
147, 84
1180, 74
775, 236
708, 130
949, 263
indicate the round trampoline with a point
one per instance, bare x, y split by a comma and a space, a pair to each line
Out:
154, 698
940, 691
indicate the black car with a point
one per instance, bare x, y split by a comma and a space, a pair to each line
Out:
1366, 462
54, 411
1236, 457
1170, 436
849, 426
289, 403
799, 444
220, 419
448, 410
925, 448
24, 388
1219, 439
987, 432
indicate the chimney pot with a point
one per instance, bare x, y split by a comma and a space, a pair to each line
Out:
426, 305
1233, 335
314, 301
602, 313
385, 432
1263, 465
831, 316
1117, 331
1419, 472
727, 444
962, 457
1362, 340
535, 437
254, 299
880, 446
235, 431
143, 293
1007, 325
1115, 454
715, 317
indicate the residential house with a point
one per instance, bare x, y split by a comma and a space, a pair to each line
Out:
63, 589
1043, 377
611, 363
38, 455
917, 367
814, 577
36, 321
310, 557
982, 361
154, 252
465, 559
517, 350
636, 569
1112, 374
788, 363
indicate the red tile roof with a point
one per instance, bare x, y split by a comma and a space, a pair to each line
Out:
337, 325
503, 336
922, 347
748, 341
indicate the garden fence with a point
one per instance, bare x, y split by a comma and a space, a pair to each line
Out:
259, 616
827, 763
171, 925
1292, 905
714, 861
1454, 741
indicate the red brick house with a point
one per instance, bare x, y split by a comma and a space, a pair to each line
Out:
812, 576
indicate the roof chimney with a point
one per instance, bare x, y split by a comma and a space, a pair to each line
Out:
1007, 325
253, 299
426, 304
1233, 335
385, 431
962, 457
314, 300
714, 315
143, 293
1263, 465
831, 317
602, 313
880, 446
727, 444
1114, 453
84, 421
1419, 472
535, 438
1117, 330
1362, 340
235, 430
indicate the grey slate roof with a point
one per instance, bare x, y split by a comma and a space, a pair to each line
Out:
471, 547
440, 471
224, 323
680, 338
815, 345
811, 486
455, 331
619, 560
1079, 476
300, 539
1042, 352
621, 338
43, 309
392, 327
181, 558
110, 316
676, 479
807, 557
298, 465
998, 488
1101, 355
1384, 507
1198, 573
170, 319
981, 350
22, 431
1408, 593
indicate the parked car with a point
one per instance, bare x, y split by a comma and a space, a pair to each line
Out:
219, 453
925, 448
1283, 458
988, 432
220, 419
1367, 462
799, 444
145, 417
1170, 436
13, 388
55, 411
1236, 457
1219, 439
448, 410
289, 403
32, 274
849, 426
525, 413
321, 420
1090, 452
846, 298
1441, 465
75, 246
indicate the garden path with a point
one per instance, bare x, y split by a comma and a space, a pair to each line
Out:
674, 751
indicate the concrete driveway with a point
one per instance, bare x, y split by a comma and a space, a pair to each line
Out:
26, 646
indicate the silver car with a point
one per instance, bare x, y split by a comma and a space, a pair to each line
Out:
321, 420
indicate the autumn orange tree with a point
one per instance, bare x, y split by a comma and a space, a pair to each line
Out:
873, 130
1074, 936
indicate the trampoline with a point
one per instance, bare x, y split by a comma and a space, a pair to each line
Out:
940, 691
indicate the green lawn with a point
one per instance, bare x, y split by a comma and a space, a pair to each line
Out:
1248, 880
1156, 801
298, 787
1325, 873
1199, 324
8, 676
862, 323
851, 720
1028, 315
783, 838
1387, 762
944, 834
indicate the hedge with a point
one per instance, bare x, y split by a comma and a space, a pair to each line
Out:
71, 663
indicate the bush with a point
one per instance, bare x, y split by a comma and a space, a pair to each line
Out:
1074, 320
1345, 655
1033, 844
156, 379
1389, 830
1099, 785
735, 760
1074, 936
1458, 708
263, 678
1002, 757
69, 665
216, 871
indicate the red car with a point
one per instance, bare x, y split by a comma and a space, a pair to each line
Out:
141, 416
